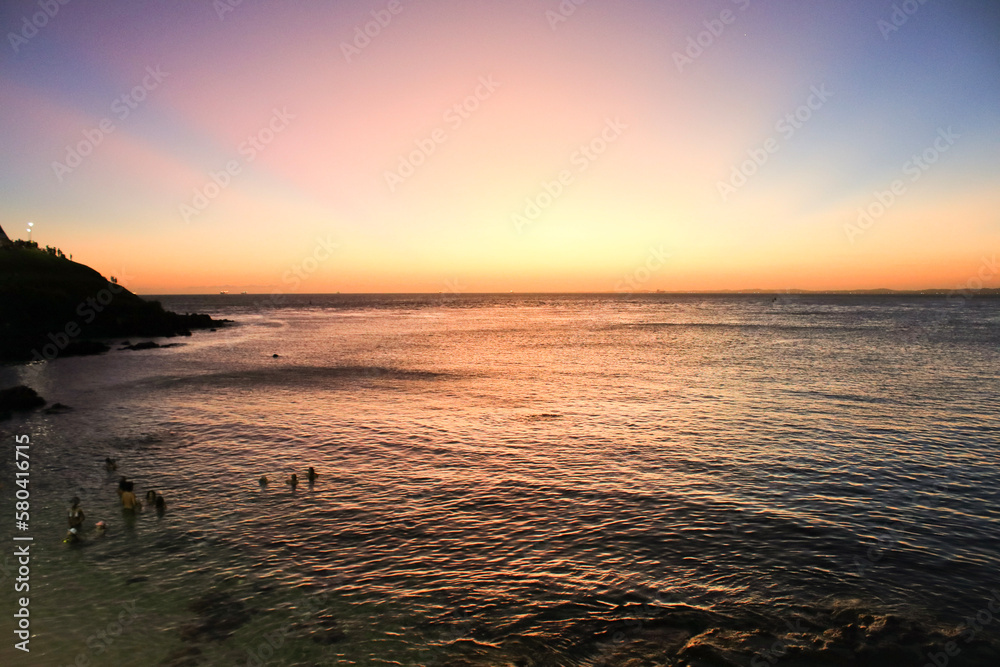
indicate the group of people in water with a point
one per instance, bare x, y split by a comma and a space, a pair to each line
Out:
126, 491
292, 481
131, 505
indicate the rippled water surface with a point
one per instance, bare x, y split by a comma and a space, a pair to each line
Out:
541, 480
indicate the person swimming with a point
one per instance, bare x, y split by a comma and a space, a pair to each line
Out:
102, 528
311, 476
161, 506
72, 535
76, 515
151, 497
293, 481
129, 501
110, 464
263, 481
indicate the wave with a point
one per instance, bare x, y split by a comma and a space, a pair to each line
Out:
737, 325
299, 375
857, 398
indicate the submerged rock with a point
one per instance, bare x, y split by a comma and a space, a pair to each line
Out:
846, 638
19, 399
147, 345
150, 345
326, 630
84, 348
219, 616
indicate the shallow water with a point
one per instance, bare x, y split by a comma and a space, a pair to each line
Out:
536, 480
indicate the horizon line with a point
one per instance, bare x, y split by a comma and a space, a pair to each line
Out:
931, 291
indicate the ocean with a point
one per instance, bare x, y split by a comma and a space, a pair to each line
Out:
515, 480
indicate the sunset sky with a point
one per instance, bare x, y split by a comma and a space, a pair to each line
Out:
422, 152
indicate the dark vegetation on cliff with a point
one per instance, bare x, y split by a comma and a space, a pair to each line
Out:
52, 306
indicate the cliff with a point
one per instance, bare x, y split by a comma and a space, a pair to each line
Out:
51, 306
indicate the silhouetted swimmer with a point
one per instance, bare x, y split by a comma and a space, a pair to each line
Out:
129, 501
293, 481
151, 497
311, 476
161, 506
76, 515
110, 464
72, 536
263, 481
102, 528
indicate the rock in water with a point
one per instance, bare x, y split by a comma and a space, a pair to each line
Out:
19, 398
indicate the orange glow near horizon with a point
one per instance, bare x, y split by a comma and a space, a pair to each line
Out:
314, 136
